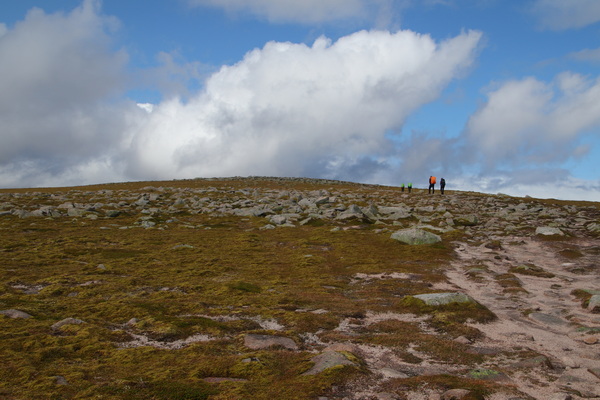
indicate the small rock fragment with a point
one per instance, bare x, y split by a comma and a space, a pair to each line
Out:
15, 314
590, 340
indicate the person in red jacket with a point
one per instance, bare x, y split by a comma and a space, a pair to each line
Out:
432, 184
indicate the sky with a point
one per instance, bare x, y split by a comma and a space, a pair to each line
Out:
495, 96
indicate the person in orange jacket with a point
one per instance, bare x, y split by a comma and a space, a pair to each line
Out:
432, 184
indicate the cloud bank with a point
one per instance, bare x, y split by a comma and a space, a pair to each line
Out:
332, 109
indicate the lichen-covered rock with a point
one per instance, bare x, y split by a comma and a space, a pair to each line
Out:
67, 321
414, 236
439, 299
548, 231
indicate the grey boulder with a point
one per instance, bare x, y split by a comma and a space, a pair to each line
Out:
414, 236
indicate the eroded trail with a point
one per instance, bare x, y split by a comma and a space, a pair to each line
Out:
539, 313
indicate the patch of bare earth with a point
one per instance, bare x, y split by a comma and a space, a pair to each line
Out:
543, 317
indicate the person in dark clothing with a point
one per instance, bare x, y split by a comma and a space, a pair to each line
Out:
442, 185
409, 187
431, 184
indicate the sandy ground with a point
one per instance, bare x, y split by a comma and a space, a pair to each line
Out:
543, 317
540, 319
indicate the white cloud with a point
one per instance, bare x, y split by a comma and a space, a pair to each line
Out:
56, 74
566, 14
530, 121
306, 11
297, 110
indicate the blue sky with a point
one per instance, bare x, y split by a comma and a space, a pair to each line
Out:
494, 95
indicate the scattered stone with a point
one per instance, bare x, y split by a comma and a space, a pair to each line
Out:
15, 314
112, 213
326, 360
535, 362
462, 340
594, 304
60, 380
257, 342
391, 373
66, 321
590, 340
414, 236
548, 231
439, 299
182, 246
594, 227
466, 220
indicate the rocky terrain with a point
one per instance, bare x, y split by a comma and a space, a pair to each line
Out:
295, 288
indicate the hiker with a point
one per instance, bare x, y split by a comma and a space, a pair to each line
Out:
409, 187
402, 187
442, 185
431, 184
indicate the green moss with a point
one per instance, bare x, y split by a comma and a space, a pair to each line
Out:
245, 287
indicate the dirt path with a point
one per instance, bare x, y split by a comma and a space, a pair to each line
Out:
539, 316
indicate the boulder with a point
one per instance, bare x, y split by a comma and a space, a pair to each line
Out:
593, 227
548, 231
439, 299
466, 220
395, 213
414, 236
352, 212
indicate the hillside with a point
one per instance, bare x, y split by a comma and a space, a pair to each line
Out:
274, 288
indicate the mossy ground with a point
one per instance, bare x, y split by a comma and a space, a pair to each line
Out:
183, 280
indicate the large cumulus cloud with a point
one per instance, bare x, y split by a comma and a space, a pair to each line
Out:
285, 109
292, 109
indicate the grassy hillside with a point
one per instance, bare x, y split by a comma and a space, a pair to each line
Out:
162, 310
